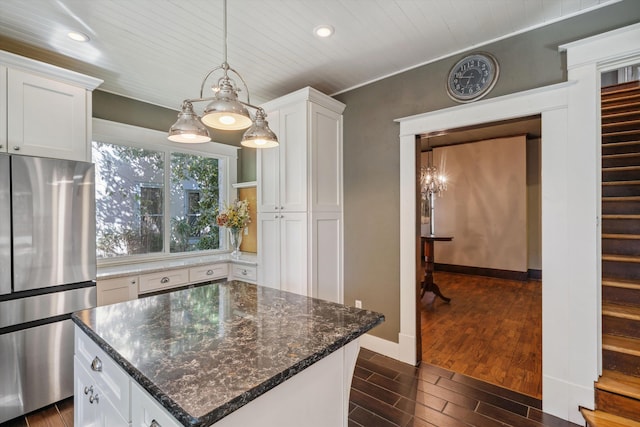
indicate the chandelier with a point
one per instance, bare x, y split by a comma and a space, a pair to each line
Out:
224, 111
432, 184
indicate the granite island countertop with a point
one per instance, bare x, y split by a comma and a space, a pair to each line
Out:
207, 351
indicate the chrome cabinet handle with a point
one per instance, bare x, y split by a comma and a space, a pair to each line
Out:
165, 279
96, 365
154, 423
94, 398
133, 282
244, 272
88, 390
16, 148
1, 146
209, 272
281, 207
276, 207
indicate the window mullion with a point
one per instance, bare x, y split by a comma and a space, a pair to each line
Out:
167, 203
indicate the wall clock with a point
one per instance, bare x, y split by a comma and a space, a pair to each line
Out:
472, 77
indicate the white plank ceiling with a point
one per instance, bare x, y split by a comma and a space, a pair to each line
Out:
159, 51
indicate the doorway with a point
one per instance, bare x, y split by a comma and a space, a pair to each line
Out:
492, 330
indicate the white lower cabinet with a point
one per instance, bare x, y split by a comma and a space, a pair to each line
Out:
163, 280
101, 391
119, 289
146, 412
244, 273
282, 247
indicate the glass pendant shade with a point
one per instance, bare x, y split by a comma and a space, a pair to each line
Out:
225, 112
188, 128
259, 135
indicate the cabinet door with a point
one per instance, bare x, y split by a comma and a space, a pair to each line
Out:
45, 117
268, 171
269, 249
325, 256
84, 413
3, 109
293, 158
325, 160
293, 252
111, 291
145, 410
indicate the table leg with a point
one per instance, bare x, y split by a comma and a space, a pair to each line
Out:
428, 284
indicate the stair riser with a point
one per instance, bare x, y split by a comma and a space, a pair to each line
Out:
621, 207
620, 190
621, 362
620, 175
619, 226
617, 138
623, 296
621, 327
620, 149
612, 162
621, 246
618, 405
620, 126
621, 270
608, 114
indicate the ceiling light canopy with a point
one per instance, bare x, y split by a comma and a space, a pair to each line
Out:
78, 36
224, 111
323, 31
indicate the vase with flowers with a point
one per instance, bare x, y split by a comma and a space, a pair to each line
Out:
235, 217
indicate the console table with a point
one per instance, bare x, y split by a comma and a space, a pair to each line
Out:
428, 261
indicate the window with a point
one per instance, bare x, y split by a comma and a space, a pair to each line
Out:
155, 198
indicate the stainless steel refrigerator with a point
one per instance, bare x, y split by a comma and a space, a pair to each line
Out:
47, 271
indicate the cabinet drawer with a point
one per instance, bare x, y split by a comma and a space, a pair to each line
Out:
111, 291
208, 272
91, 405
104, 373
243, 272
163, 280
145, 410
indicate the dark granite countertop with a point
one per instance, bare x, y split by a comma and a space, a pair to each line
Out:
207, 351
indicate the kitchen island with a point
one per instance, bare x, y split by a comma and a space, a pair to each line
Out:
231, 353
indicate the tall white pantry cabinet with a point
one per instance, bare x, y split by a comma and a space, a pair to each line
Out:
300, 218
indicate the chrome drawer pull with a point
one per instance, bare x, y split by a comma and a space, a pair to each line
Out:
244, 272
209, 272
88, 390
17, 148
154, 423
165, 279
94, 398
96, 365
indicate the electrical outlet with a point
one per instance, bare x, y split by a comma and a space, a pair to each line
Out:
358, 303
246, 231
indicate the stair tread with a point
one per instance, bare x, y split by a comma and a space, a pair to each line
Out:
618, 344
620, 168
621, 123
620, 155
620, 143
628, 312
619, 383
631, 182
620, 114
617, 283
620, 216
632, 103
621, 133
604, 419
621, 258
621, 236
620, 198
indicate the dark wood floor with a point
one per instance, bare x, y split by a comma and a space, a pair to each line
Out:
388, 393
491, 330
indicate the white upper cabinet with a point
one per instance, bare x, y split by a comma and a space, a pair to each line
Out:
46, 110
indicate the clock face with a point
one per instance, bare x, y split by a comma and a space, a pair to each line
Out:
472, 77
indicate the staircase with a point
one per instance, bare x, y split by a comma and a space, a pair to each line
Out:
618, 389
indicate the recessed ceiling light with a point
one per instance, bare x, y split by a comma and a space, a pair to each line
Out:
77, 36
323, 31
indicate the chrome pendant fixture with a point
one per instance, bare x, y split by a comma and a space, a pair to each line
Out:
224, 111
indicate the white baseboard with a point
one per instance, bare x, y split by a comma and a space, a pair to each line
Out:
563, 399
404, 351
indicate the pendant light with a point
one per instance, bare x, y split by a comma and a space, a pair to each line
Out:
224, 111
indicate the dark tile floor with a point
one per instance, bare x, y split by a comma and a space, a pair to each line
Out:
387, 393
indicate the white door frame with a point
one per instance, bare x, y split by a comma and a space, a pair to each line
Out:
571, 302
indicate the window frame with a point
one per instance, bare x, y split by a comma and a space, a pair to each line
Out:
134, 136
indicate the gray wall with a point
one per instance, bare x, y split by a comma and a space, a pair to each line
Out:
371, 146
